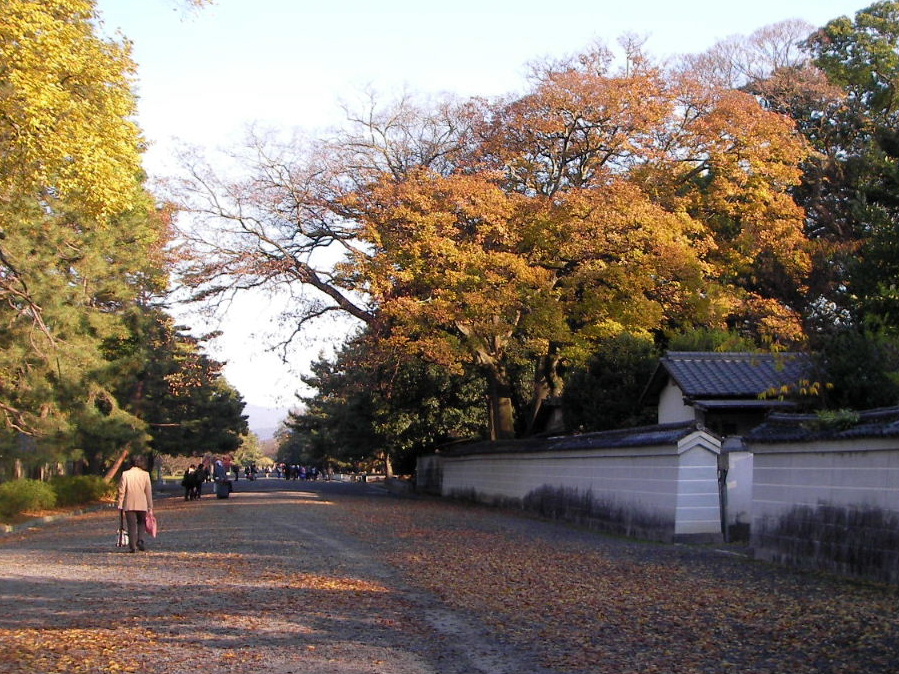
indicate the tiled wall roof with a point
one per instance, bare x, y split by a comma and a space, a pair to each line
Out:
877, 423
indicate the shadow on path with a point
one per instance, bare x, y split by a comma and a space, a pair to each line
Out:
259, 582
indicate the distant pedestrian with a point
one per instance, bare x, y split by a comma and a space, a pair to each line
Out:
188, 482
200, 477
221, 475
136, 500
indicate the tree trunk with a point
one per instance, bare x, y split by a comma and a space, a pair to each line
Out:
544, 408
502, 413
489, 354
111, 473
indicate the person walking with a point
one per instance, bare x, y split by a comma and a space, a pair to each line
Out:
136, 500
188, 482
221, 475
200, 475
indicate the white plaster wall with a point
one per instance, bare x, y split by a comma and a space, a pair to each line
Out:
698, 506
649, 480
428, 472
671, 405
739, 487
857, 473
677, 483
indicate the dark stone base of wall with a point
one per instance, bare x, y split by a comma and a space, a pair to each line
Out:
399, 487
738, 533
698, 539
856, 541
582, 508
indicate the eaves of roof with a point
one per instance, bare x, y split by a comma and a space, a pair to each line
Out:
659, 434
780, 427
751, 404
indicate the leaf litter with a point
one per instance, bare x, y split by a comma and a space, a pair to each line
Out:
577, 601
590, 603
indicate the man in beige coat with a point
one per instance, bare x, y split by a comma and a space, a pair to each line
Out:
136, 499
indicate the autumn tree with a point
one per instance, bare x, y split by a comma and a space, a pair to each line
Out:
679, 193
850, 194
837, 84
81, 240
451, 270
606, 199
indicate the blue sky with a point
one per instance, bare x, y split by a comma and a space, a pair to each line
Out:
205, 76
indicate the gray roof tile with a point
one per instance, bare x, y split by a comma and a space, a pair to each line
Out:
659, 434
876, 423
730, 375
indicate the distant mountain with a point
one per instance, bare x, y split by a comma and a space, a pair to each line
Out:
265, 421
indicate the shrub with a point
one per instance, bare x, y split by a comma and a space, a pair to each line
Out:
19, 496
74, 490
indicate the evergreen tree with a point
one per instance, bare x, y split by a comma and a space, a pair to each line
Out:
371, 403
80, 238
164, 378
861, 57
605, 393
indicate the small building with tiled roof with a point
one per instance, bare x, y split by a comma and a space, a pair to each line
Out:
724, 391
819, 491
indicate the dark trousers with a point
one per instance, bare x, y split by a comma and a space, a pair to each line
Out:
136, 523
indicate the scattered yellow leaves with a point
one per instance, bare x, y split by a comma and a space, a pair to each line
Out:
632, 607
69, 651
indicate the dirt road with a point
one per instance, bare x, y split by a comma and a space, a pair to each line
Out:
261, 582
338, 578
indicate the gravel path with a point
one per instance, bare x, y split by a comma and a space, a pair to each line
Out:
261, 582
340, 578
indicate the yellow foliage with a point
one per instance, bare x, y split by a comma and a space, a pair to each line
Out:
66, 108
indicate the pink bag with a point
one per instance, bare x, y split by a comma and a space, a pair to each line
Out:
152, 526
